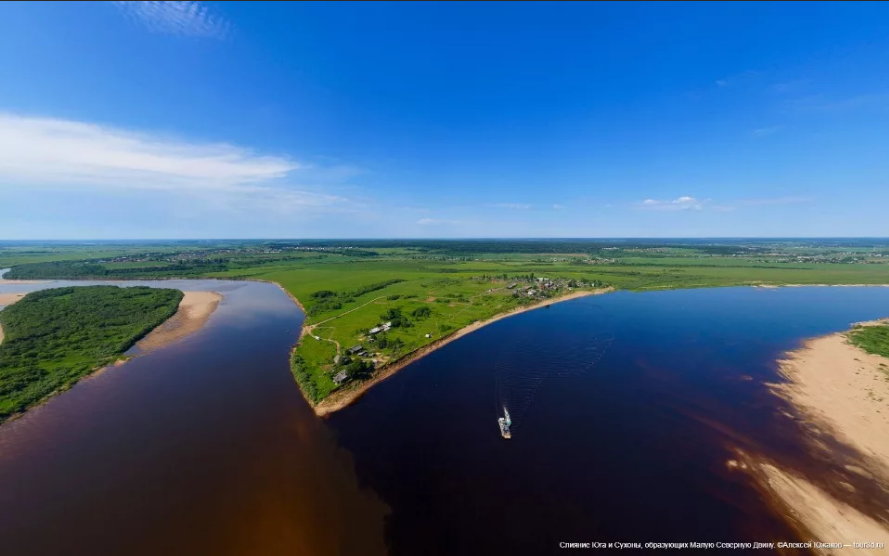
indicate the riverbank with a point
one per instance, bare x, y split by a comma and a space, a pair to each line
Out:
193, 313
8, 299
840, 392
345, 397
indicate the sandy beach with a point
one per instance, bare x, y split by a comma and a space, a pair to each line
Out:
194, 311
349, 395
842, 393
8, 299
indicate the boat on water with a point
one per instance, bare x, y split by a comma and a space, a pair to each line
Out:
505, 423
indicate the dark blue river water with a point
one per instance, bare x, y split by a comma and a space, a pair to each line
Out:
629, 449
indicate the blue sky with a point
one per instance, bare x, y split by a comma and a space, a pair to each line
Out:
258, 120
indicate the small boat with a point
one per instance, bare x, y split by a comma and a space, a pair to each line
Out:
505, 423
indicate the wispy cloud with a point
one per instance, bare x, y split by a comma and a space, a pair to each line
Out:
761, 202
772, 201
45, 150
681, 203
558, 206
789, 86
438, 222
513, 206
193, 19
821, 103
763, 131
737, 79
46, 153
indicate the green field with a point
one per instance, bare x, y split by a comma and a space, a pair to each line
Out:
431, 288
54, 337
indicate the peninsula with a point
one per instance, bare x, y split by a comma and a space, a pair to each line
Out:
372, 306
55, 337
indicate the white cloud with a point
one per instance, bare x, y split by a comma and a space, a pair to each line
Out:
194, 19
558, 206
513, 206
763, 131
63, 152
38, 154
681, 203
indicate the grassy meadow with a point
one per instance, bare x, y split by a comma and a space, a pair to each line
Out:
432, 288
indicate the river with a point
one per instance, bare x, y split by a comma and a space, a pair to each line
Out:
627, 407
202, 447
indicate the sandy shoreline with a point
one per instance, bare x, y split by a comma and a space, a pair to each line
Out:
774, 286
194, 311
841, 393
345, 397
5, 300
842, 390
10, 298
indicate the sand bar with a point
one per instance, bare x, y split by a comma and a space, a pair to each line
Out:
820, 517
8, 299
843, 390
349, 395
840, 391
194, 311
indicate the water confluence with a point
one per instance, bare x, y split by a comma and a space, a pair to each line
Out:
626, 408
202, 447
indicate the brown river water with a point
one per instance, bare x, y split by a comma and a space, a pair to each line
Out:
202, 447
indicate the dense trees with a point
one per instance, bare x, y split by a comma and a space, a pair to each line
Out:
54, 337
85, 269
398, 320
421, 312
327, 300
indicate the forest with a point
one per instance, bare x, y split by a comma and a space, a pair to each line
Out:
55, 337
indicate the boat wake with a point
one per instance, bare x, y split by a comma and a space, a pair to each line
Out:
517, 383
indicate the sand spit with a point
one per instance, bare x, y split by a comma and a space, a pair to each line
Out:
8, 299
817, 516
841, 396
844, 392
349, 395
194, 311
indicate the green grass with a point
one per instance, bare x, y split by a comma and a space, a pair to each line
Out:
448, 278
54, 337
872, 339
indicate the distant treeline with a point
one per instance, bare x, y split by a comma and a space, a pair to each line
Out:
87, 270
721, 246
54, 337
